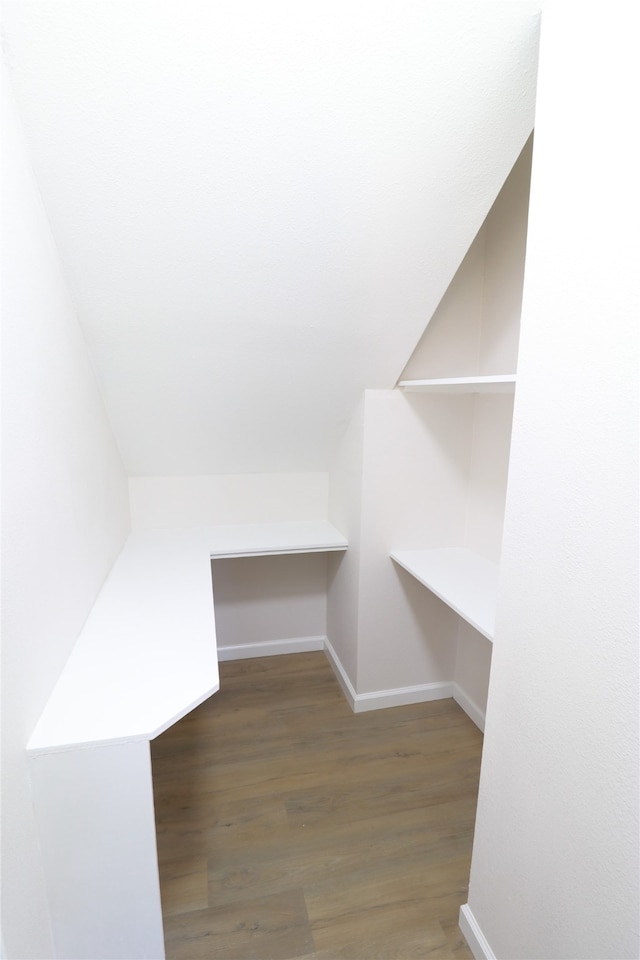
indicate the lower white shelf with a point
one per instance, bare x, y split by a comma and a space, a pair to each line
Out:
464, 580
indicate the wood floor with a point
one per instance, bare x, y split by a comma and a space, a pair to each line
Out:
289, 827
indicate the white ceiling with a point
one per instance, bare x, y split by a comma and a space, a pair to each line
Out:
258, 205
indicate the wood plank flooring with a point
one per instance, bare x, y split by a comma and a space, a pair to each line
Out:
290, 827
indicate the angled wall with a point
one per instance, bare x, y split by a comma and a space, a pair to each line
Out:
259, 204
65, 513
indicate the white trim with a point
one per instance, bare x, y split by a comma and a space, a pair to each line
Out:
478, 943
379, 699
469, 706
401, 696
341, 674
270, 648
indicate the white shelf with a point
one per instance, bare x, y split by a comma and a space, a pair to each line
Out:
504, 383
465, 581
147, 654
264, 539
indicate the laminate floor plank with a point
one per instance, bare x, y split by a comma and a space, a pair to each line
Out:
271, 927
185, 885
290, 828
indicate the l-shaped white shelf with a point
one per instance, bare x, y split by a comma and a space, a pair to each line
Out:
145, 657
147, 653
503, 383
465, 581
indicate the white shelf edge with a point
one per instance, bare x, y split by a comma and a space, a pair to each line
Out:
502, 383
278, 551
465, 581
272, 539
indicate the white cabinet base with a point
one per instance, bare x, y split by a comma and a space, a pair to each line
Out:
95, 814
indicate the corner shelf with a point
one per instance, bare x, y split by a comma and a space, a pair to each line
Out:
464, 580
502, 383
149, 643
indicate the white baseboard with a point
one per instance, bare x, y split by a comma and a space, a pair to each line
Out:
341, 674
359, 702
270, 648
478, 943
401, 696
379, 699
469, 706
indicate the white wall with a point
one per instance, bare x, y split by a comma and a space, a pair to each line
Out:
64, 513
262, 600
475, 327
450, 344
555, 861
488, 472
472, 671
505, 240
416, 468
388, 631
345, 512
227, 498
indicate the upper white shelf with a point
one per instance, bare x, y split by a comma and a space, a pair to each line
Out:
264, 539
147, 653
465, 581
503, 383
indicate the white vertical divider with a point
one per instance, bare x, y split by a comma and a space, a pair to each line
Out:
95, 814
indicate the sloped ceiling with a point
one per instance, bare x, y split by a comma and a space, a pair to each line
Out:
258, 205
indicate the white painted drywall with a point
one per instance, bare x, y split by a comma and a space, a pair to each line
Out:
64, 513
345, 512
267, 599
416, 456
474, 330
259, 204
472, 671
228, 499
450, 344
555, 861
488, 472
505, 241
400, 453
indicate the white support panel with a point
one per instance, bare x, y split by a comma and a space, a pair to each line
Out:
147, 653
465, 581
503, 383
265, 539
95, 814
